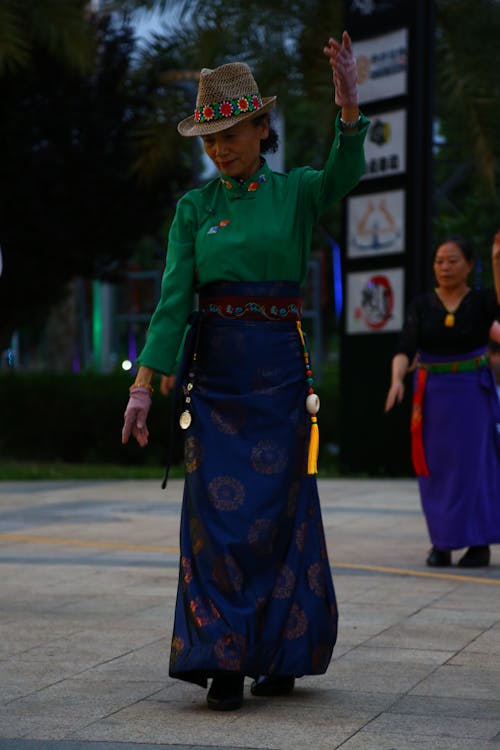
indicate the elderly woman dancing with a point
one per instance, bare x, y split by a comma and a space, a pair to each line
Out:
255, 593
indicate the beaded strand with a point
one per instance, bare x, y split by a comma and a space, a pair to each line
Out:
312, 406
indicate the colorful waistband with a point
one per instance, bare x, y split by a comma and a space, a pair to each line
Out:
251, 308
460, 365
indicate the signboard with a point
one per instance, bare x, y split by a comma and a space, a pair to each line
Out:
388, 224
382, 64
385, 146
375, 224
375, 301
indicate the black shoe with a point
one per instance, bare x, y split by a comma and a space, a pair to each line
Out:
276, 684
226, 692
475, 557
439, 558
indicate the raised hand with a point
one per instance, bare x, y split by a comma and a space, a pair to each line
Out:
345, 75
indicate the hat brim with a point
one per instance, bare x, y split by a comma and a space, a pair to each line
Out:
190, 127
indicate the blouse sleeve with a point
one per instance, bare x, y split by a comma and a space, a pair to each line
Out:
168, 323
343, 169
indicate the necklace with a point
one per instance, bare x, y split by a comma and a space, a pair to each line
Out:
449, 319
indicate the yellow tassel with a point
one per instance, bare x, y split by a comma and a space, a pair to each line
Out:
312, 458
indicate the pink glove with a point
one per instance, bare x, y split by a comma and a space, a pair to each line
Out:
136, 414
345, 74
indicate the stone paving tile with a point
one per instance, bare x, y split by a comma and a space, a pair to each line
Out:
461, 682
403, 591
370, 654
469, 597
413, 633
486, 643
436, 726
353, 674
86, 631
260, 724
68, 705
462, 708
372, 619
453, 617
367, 740
470, 658
18, 744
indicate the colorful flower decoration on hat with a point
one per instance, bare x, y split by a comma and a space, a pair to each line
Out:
227, 108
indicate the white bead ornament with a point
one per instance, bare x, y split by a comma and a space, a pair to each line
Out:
312, 403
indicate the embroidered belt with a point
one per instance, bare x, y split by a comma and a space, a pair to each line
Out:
251, 308
461, 365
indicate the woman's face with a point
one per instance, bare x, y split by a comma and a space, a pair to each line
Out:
450, 266
236, 151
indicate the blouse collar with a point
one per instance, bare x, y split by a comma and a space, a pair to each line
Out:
248, 186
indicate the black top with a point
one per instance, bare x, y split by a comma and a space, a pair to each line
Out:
424, 327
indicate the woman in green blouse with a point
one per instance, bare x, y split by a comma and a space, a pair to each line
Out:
255, 593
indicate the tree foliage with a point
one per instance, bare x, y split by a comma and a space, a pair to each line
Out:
281, 40
467, 166
92, 162
59, 28
70, 201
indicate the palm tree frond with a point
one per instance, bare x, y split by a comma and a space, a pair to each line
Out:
14, 46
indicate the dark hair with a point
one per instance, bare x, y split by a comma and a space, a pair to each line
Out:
271, 143
460, 242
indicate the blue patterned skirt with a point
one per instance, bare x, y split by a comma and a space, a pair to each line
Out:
255, 592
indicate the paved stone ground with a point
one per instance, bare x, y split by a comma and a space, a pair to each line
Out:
88, 574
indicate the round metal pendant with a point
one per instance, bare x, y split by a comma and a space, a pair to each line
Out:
185, 420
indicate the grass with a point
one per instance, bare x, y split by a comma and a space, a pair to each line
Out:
12, 471
40, 470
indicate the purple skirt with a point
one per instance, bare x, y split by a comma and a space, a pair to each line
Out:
461, 423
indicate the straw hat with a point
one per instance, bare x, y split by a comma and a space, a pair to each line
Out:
226, 96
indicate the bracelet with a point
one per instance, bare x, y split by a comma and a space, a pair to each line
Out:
143, 385
350, 124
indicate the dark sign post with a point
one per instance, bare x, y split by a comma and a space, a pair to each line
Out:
388, 238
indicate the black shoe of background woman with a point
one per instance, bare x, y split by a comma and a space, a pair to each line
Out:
439, 558
475, 557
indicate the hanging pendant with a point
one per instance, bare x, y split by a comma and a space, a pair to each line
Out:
312, 403
449, 320
185, 419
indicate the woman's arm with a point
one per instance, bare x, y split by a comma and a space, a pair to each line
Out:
144, 376
346, 161
399, 368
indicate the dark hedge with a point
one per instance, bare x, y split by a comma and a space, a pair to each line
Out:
78, 419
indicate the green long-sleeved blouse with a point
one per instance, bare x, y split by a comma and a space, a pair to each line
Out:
259, 230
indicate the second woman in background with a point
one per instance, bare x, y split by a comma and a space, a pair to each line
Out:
455, 419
